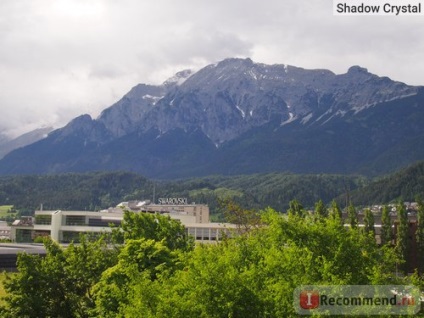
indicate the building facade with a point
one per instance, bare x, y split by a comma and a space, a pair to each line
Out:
66, 226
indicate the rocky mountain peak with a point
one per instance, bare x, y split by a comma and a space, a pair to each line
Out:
178, 78
80, 125
356, 69
235, 111
224, 100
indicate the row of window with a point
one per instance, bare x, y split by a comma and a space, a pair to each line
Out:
76, 220
200, 234
208, 234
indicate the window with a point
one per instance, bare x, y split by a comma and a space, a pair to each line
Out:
23, 236
69, 237
75, 220
43, 219
103, 222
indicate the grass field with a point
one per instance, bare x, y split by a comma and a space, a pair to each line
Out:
4, 209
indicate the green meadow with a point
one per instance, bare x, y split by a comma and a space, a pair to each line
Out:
4, 210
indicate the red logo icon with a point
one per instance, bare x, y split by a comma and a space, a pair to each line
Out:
309, 299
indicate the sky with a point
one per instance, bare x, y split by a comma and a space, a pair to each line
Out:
63, 58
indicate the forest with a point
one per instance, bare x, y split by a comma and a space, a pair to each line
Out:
149, 267
100, 190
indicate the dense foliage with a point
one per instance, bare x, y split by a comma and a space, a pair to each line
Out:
405, 185
157, 272
94, 191
90, 191
59, 285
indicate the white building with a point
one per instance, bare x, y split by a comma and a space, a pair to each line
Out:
65, 226
4, 230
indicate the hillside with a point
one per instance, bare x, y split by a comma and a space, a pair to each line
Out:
90, 191
94, 191
405, 185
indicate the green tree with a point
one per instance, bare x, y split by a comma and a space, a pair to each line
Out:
369, 222
296, 208
153, 246
139, 260
386, 226
352, 216
59, 284
156, 274
245, 219
402, 233
420, 236
24, 297
321, 210
155, 227
214, 283
255, 274
336, 212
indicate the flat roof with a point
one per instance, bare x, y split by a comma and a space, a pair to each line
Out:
213, 225
15, 248
80, 213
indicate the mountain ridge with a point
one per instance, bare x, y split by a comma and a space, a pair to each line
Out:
237, 116
9, 144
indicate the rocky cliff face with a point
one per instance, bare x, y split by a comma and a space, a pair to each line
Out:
235, 107
235, 95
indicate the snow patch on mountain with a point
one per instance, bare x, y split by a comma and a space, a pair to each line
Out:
243, 114
292, 117
306, 118
179, 78
357, 109
154, 99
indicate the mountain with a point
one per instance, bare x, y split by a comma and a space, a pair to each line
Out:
238, 117
8, 144
3, 139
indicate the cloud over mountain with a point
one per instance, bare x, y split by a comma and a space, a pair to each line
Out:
237, 116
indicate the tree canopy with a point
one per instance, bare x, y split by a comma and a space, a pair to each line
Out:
153, 269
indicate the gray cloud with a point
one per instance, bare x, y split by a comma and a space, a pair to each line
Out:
62, 58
